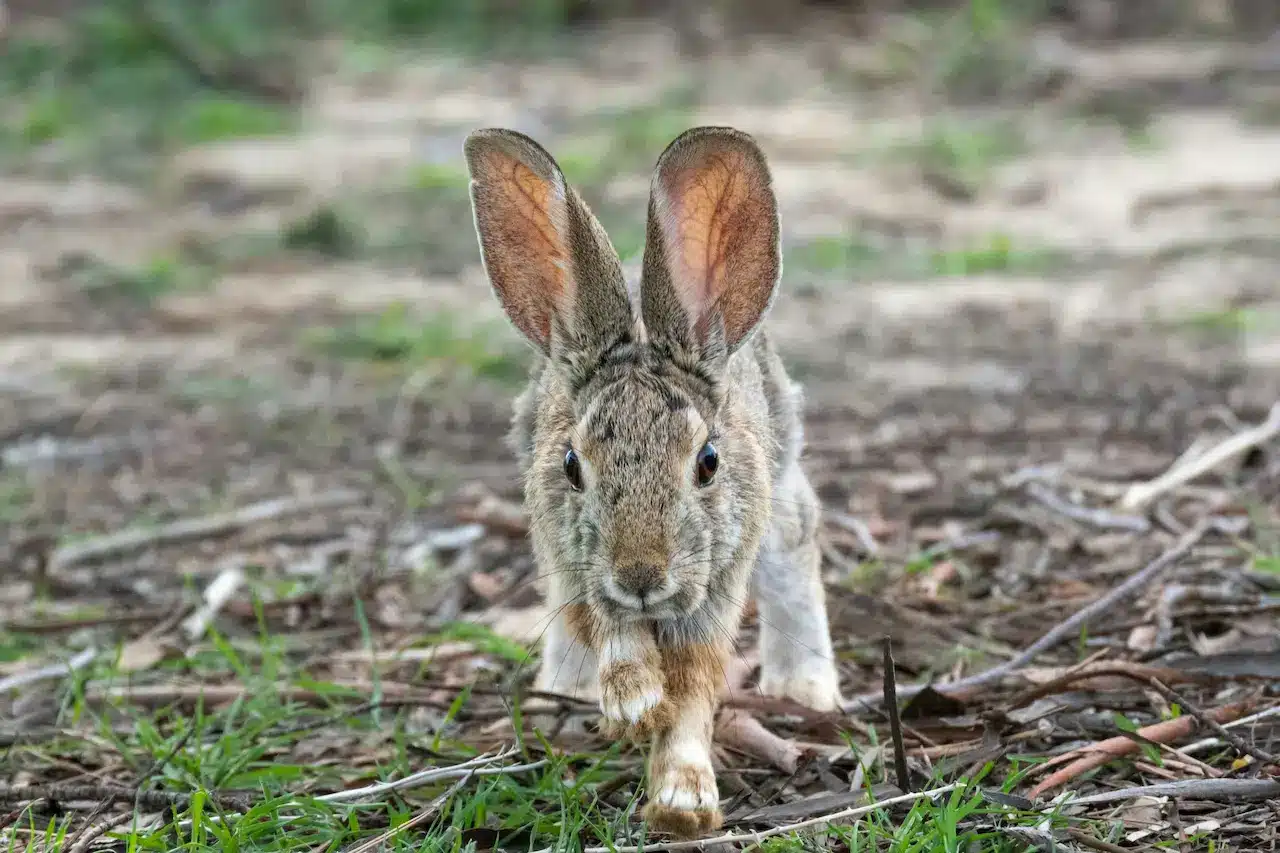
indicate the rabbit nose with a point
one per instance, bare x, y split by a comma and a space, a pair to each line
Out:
639, 580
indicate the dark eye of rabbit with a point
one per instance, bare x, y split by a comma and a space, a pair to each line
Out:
708, 462
573, 469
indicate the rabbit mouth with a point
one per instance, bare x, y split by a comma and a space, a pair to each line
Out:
656, 603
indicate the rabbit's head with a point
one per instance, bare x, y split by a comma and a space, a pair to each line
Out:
648, 475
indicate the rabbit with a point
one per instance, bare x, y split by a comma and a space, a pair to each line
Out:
659, 445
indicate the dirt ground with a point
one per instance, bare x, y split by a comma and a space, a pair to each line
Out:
971, 433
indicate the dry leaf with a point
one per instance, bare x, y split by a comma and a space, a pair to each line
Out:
487, 585
1143, 638
142, 653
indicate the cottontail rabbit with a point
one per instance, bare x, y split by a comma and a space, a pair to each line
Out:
659, 444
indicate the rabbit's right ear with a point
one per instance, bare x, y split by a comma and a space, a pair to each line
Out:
549, 261
712, 257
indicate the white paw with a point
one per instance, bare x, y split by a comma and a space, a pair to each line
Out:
630, 709
629, 692
687, 787
817, 690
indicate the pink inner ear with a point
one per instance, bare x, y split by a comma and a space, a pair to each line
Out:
719, 223
523, 219
687, 216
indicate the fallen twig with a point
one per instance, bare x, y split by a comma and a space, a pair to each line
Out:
755, 838
427, 812
1240, 745
1211, 742
216, 597
64, 795
859, 528
1062, 632
1098, 754
479, 766
53, 670
162, 694
1094, 843
218, 524
1118, 669
1099, 518
1152, 677
1141, 494
95, 831
895, 719
736, 728
1220, 790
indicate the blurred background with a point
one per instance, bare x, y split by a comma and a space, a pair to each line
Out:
237, 265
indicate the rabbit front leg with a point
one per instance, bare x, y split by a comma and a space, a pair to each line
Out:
628, 670
683, 798
797, 661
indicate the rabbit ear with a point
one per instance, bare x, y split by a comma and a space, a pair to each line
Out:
549, 261
712, 259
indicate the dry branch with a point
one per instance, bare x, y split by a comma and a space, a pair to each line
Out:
737, 729
94, 831
184, 530
64, 795
1240, 745
479, 766
426, 813
1118, 669
53, 670
1219, 790
895, 719
1098, 518
1106, 751
1181, 473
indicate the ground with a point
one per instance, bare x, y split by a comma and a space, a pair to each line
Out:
261, 539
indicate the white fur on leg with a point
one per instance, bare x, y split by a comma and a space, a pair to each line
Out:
797, 661
629, 687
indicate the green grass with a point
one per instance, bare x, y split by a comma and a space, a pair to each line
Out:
139, 285
851, 255
967, 151
109, 88
395, 336
15, 496
326, 231
217, 117
975, 51
123, 80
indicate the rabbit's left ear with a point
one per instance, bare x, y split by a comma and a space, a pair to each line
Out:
712, 257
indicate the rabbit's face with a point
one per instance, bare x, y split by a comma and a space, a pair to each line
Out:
651, 494
648, 476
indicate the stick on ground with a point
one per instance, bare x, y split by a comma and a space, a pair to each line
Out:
1101, 753
895, 720
1182, 473
183, 530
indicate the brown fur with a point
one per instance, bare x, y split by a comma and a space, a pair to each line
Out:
651, 568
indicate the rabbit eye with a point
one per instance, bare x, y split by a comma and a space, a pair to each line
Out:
573, 469
708, 462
